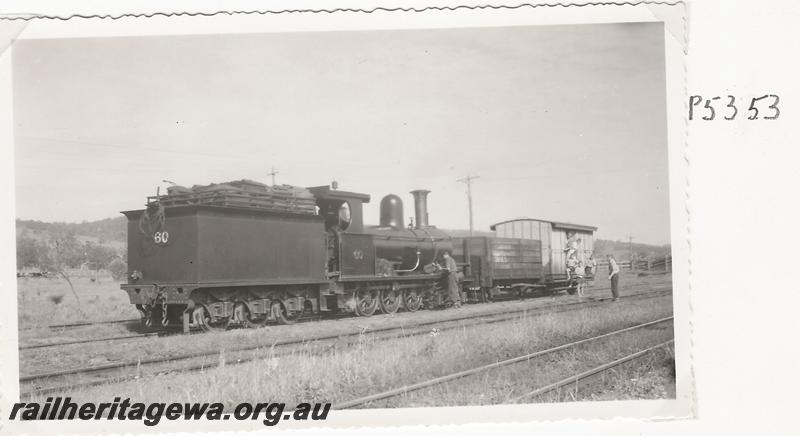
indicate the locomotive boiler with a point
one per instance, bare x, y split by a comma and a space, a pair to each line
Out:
400, 249
243, 253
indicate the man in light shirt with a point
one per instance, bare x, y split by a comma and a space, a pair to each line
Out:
613, 276
452, 280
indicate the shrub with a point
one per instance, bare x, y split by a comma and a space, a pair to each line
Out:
117, 268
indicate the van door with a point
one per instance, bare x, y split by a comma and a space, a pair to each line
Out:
558, 258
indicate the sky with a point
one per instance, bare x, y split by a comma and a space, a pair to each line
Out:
566, 123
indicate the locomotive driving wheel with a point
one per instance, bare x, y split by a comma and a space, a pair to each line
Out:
412, 300
367, 302
203, 318
390, 300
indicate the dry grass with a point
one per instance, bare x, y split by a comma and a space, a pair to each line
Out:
371, 366
651, 377
44, 301
502, 385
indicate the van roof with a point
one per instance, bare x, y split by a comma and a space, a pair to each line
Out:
556, 224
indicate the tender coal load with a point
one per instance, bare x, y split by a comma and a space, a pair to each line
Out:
241, 193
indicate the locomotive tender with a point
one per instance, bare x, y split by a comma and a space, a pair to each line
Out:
255, 255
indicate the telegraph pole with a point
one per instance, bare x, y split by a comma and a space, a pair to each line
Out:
630, 250
468, 181
273, 173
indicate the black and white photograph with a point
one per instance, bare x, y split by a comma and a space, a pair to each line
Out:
397, 217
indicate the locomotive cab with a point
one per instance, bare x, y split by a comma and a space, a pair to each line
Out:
343, 213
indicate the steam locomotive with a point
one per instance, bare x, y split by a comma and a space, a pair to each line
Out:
245, 254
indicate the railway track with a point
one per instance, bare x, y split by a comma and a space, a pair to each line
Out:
92, 340
590, 373
115, 372
524, 358
160, 333
85, 324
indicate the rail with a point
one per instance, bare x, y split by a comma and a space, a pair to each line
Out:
586, 374
526, 357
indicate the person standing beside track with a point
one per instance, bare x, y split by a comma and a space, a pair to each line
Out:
578, 276
590, 269
452, 280
613, 275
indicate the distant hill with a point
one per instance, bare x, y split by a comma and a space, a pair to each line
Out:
622, 250
54, 247
109, 231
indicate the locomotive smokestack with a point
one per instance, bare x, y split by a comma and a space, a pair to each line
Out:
421, 207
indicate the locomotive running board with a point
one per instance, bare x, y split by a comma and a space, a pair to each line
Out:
388, 278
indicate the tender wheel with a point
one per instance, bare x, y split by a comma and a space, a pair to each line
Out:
412, 300
203, 319
390, 300
242, 315
528, 291
366, 302
282, 315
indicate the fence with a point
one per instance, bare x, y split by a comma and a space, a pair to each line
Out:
663, 263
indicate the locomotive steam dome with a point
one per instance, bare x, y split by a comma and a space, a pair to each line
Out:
392, 212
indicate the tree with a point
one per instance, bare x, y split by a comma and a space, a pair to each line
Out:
98, 256
30, 252
117, 268
62, 251
65, 253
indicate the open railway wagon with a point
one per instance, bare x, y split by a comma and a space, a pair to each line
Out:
247, 254
526, 256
